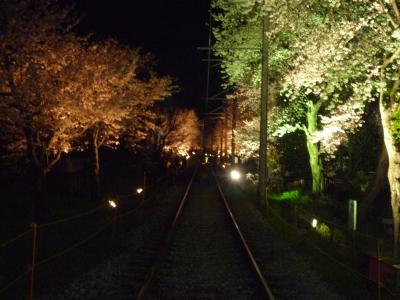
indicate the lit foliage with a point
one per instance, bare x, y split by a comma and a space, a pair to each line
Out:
56, 88
116, 91
248, 124
176, 131
335, 56
36, 54
295, 196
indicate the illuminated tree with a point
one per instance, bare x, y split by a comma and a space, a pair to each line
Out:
388, 68
57, 88
36, 51
247, 128
239, 37
365, 66
176, 131
115, 90
338, 55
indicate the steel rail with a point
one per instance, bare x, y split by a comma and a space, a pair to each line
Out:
250, 255
164, 248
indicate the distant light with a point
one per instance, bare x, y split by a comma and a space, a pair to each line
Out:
139, 190
235, 175
187, 157
112, 203
193, 153
314, 223
224, 166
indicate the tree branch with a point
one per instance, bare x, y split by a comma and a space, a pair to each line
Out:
53, 162
391, 19
391, 59
395, 8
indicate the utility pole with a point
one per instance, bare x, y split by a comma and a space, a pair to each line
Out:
226, 131
233, 147
221, 140
207, 83
263, 171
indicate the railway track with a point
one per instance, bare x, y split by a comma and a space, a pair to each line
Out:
202, 255
205, 255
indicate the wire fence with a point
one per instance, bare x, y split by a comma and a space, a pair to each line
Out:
43, 244
351, 247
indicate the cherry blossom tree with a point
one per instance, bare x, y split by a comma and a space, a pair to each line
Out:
36, 52
175, 130
115, 90
338, 56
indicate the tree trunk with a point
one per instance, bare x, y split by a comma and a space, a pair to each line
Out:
376, 185
316, 167
95, 164
40, 208
387, 115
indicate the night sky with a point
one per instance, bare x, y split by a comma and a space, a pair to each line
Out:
171, 30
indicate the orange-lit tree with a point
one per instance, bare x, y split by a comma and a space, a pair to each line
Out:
176, 131
36, 53
114, 92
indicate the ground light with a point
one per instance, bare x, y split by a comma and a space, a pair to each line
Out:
235, 175
314, 223
112, 203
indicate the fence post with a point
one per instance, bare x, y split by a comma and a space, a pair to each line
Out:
34, 241
378, 254
353, 244
144, 185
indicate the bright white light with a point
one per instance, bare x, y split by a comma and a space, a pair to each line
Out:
112, 203
235, 175
139, 190
187, 157
314, 223
224, 166
193, 153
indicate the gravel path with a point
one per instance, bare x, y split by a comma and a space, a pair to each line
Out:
195, 268
287, 272
121, 276
205, 259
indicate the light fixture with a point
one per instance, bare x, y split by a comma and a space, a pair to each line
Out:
314, 223
112, 203
235, 175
